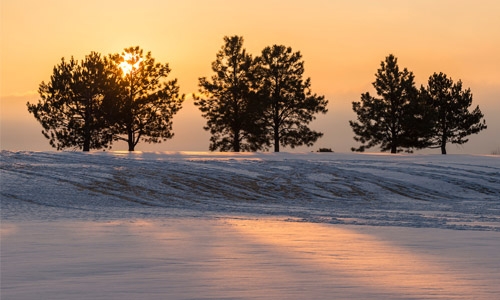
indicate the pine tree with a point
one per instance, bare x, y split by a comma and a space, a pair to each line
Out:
70, 108
148, 101
452, 121
227, 102
287, 101
394, 120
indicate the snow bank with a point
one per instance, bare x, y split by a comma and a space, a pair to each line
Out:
453, 191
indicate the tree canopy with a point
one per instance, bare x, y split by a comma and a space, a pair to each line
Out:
70, 108
288, 105
251, 103
391, 119
226, 98
89, 104
405, 118
452, 120
147, 102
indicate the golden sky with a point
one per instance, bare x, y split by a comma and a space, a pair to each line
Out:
342, 43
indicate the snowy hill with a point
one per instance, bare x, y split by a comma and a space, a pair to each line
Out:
454, 191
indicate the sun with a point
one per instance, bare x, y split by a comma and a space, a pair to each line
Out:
130, 63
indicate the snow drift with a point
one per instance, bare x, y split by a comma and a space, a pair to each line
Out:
434, 191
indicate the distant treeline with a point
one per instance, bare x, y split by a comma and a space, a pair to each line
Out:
250, 104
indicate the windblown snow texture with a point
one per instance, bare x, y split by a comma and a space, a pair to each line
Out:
433, 191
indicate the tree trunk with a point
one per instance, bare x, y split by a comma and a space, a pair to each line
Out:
443, 147
394, 146
86, 129
394, 136
130, 115
236, 141
276, 139
86, 145
276, 119
131, 145
443, 143
444, 139
86, 137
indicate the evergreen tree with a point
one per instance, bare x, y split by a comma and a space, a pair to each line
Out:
148, 101
70, 108
227, 102
452, 119
287, 101
395, 121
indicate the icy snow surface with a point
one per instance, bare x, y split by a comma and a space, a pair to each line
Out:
186, 225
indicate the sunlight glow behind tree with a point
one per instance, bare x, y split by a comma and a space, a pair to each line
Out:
131, 62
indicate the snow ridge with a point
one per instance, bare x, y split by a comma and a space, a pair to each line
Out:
434, 191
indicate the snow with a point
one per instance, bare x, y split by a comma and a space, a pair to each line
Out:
197, 225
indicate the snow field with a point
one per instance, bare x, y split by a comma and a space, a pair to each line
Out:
190, 225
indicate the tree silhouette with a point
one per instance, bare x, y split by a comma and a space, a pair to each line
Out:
287, 101
452, 119
70, 108
392, 121
147, 103
226, 98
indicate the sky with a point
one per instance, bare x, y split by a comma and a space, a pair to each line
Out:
342, 44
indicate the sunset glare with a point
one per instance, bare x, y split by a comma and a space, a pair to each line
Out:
342, 44
130, 62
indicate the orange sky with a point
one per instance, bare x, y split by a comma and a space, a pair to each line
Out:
342, 43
